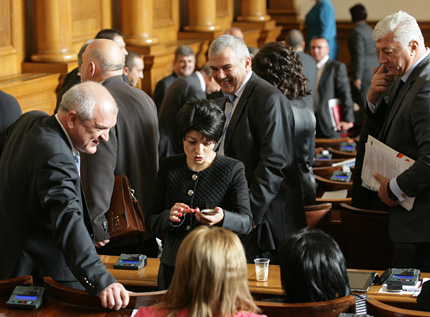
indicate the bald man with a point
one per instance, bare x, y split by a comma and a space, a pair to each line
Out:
132, 148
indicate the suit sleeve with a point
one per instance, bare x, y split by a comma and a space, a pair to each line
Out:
343, 92
159, 92
98, 179
417, 177
57, 189
274, 126
239, 219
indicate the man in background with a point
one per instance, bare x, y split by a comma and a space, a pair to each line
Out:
131, 150
183, 65
133, 68
332, 83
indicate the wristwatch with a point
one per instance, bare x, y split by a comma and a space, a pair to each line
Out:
391, 194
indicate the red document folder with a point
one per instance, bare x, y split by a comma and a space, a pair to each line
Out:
335, 109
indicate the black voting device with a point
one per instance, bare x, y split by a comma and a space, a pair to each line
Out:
26, 297
347, 147
395, 277
130, 262
341, 176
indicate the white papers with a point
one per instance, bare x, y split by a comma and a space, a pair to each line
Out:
387, 162
407, 289
336, 194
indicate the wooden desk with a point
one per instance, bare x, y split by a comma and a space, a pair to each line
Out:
147, 278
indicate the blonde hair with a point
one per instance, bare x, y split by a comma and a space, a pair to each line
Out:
211, 276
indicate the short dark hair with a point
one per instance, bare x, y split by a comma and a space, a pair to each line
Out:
203, 116
183, 50
130, 59
281, 67
358, 13
108, 34
313, 268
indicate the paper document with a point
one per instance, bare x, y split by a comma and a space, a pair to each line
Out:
386, 161
335, 194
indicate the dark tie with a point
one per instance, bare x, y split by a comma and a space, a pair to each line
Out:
401, 83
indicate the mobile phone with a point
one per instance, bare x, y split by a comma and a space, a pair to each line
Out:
208, 211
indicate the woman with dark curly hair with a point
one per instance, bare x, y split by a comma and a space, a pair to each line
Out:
281, 66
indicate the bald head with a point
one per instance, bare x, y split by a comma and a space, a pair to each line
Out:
102, 59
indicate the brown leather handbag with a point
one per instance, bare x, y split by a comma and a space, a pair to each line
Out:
125, 218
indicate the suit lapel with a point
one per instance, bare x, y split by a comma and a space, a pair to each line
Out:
240, 107
323, 79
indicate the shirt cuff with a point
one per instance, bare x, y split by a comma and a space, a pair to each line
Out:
373, 107
396, 190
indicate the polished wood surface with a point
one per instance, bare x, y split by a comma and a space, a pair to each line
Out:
147, 277
376, 308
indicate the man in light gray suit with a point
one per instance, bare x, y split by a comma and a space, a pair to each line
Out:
403, 119
332, 82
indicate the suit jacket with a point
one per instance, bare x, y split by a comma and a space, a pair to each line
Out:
10, 110
44, 224
407, 130
321, 21
223, 184
311, 71
182, 90
364, 57
261, 135
304, 136
161, 88
132, 149
334, 83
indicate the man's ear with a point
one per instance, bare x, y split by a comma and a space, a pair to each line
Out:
72, 119
248, 63
126, 70
413, 47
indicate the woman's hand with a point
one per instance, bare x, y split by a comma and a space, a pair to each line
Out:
210, 219
178, 210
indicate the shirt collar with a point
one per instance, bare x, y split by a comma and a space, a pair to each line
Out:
410, 70
202, 81
75, 150
322, 62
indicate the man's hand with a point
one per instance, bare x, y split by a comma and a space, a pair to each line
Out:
379, 84
344, 126
100, 244
382, 192
115, 296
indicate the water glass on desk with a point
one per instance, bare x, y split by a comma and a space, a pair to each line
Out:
262, 269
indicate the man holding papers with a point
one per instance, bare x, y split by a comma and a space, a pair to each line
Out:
399, 104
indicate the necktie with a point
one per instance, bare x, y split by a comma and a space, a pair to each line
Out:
401, 83
77, 158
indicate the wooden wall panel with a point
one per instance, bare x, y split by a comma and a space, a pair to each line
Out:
11, 37
166, 20
224, 13
89, 17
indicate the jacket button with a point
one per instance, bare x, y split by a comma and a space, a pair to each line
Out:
190, 192
194, 177
188, 228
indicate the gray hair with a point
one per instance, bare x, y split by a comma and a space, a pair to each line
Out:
404, 26
206, 69
294, 38
83, 97
234, 43
183, 50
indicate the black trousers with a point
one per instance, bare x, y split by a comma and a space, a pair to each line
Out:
412, 255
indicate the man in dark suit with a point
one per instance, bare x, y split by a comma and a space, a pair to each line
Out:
132, 148
44, 222
183, 65
404, 121
332, 82
196, 86
259, 132
10, 110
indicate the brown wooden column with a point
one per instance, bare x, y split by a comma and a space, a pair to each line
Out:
53, 29
137, 22
202, 16
253, 11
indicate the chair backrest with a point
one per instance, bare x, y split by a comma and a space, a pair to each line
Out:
376, 308
7, 286
366, 240
338, 154
315, 214
322, 309
76, 297
326, 142
325, 184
